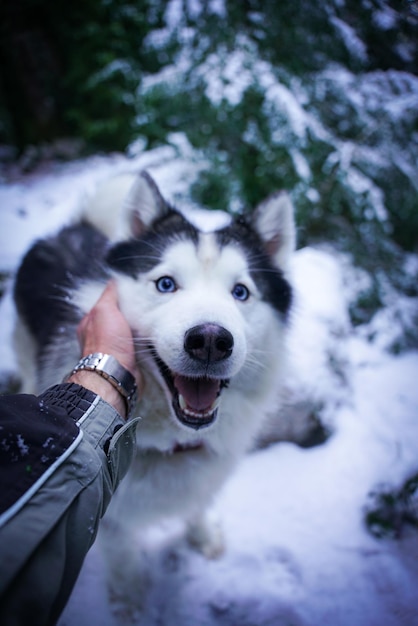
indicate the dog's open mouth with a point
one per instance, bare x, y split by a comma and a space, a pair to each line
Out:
195, 400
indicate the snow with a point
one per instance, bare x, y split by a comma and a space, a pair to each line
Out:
298, 551
353, 43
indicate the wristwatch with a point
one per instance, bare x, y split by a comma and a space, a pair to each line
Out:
111, 370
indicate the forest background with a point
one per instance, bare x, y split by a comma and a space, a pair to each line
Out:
319, 98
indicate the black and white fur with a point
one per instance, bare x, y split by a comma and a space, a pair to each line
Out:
208, 311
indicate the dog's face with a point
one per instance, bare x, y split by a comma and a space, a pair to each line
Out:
201, 304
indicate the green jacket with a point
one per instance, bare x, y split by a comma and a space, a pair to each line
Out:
62, 455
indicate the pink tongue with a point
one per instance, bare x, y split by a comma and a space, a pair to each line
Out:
199, 393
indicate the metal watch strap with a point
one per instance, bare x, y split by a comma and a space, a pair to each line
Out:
111, 370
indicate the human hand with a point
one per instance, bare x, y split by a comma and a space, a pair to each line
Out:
105, 329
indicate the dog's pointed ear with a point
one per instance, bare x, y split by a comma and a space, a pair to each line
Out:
274, 221
143, 204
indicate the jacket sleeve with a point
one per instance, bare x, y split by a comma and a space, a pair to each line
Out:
62, 455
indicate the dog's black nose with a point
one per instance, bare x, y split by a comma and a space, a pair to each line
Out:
208, 343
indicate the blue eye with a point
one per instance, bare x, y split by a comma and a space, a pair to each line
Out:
166, 284
240, 292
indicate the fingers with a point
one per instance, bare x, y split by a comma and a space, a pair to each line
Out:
105, 329
107, 301
109, 295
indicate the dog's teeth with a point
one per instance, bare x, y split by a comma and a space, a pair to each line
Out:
187, 411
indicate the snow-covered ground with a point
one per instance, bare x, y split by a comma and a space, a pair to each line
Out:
298, 552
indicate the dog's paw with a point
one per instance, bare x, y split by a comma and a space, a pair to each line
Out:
205, 535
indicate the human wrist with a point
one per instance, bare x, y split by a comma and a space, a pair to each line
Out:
100, 386
110, 369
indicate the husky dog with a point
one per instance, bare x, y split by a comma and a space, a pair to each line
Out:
208, 312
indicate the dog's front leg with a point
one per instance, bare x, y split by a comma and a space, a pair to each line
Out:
204, 534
